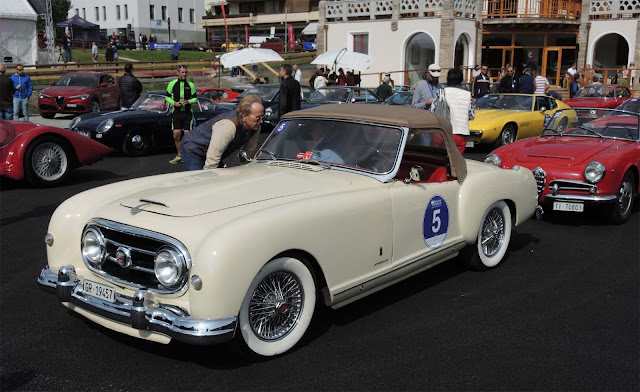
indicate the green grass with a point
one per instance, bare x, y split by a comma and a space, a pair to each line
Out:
84, 55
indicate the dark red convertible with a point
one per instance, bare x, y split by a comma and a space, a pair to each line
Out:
589, 164
44, 155
79, 93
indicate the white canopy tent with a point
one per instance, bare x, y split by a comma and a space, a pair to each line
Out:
18, 32
311, 29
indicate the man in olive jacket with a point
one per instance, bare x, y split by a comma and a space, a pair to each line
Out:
130, 87
6, 95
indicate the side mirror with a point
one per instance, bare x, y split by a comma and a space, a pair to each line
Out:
104, 84
415, 174
53, 83
243, 158
543, 109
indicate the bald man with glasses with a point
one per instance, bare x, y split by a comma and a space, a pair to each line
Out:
509, 82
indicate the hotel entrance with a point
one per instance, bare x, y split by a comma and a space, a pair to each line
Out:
555, 62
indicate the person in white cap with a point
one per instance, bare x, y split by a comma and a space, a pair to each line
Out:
426, 90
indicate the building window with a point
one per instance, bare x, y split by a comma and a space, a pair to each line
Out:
84, 14
97, 13
152, 12
118, 12
420, 52
104, 13
164, 12
126, 12
180, 14
192, 15
77, 12
361, 43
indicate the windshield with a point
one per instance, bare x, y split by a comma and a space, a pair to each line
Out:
403, 98
608, 123
595, 92
506, 102
151, 102
632, 105
77, 80
370, 148
324, 94
265, 92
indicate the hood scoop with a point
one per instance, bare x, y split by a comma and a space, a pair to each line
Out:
549, 156
144, 203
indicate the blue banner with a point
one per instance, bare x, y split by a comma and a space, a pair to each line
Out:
163, 45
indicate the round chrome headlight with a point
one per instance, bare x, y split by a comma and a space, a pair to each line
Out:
494, 160
94, 247
169, 266
594, 172
105, 126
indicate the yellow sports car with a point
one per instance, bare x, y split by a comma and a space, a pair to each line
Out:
504, 118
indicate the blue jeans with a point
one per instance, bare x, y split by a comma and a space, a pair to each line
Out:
67, 55
24, 102
6, 114
191, 162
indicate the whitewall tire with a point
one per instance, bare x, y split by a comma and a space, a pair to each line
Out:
493, 238
277, 308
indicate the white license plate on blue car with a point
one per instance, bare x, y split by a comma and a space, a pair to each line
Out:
98, 290
571, 207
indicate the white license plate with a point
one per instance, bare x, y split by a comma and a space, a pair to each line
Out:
571, 207
469, 144
98, 135
72, 105
98, 290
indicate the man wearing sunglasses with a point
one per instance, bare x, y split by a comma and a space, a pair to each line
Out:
181, 94
214, 140
509, 82
482, 83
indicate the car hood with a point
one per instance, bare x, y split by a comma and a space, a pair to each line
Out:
86, 120
67, 91
563, 150
215, 190
591, 102
486, 116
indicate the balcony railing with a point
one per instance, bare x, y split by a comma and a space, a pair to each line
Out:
610, 9
383, 9
554, 9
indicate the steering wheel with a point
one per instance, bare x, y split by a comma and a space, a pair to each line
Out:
372, 159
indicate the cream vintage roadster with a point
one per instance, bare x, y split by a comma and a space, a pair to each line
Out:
340, 201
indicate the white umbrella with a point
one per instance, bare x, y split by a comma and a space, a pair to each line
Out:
345, 59
249, 56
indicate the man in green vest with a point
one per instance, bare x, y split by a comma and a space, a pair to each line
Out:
181, 94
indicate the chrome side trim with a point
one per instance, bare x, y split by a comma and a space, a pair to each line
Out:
588, 198
140, 312
397, 274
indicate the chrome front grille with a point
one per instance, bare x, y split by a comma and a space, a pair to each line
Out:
541, 178
141, 246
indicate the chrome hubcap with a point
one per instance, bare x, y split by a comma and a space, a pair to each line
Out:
137, 141
624, 198
507, 136
493, 229
276, 306
49, 161
95, 107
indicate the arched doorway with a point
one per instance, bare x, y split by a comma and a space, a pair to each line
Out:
610, 51
421, 51
461, 56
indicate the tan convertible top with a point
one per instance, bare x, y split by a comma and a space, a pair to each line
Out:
391, 115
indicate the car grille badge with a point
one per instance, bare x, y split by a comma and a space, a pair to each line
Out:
123, 257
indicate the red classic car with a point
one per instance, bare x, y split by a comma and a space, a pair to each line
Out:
588, 164
78, 93
216, 94
598, 96
44, 155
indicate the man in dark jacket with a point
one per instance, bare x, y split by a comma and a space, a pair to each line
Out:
130, 87
214, 140
289, 91
384, 91
482, 83
509, 82
6, 95
526, 83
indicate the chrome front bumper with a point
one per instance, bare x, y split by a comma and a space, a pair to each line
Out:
169, 320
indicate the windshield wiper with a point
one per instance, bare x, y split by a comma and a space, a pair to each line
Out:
273, 156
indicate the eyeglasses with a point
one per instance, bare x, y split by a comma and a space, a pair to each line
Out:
434, 70
485, 69
258, 119
510, 71
182, 66
19, 70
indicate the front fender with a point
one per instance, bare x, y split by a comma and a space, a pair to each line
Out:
486, 184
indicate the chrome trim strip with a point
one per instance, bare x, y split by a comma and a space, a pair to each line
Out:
169, 320
154, 202
136, 231
549, 156
589, 198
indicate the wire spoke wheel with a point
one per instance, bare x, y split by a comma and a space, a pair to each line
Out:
625, 195
493, 230
49, 161
276, 306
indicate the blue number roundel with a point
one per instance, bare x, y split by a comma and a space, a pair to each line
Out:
436, 222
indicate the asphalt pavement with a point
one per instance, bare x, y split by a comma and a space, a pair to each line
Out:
561, 313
